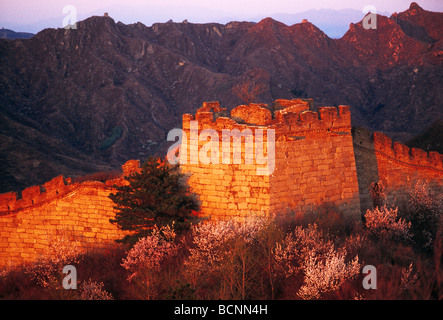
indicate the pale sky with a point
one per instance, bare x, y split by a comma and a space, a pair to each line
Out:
48, 13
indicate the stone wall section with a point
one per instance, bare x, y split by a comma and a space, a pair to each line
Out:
58, 212
319, 159
225, 190
397, 166
314, 161
401, 167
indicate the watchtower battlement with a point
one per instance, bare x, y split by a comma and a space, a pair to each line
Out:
312, 158
319, 158
291, 115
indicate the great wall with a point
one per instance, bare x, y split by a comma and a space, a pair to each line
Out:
319, 159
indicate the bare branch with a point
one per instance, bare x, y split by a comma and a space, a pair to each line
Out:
248, 91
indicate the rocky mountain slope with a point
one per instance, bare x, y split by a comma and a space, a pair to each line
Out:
82, 100
429, 140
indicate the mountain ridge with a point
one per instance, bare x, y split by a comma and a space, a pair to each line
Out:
93, 97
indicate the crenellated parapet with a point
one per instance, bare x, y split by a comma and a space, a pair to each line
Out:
405, 156
256, 160
56, 188
293, 116
307, 158
307, 120
77, 214
397, 166
31, 196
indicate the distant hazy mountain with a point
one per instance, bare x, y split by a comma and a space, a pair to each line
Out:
77, 101
333, 23
9, 34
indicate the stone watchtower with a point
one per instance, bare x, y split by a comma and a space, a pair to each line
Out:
289, 159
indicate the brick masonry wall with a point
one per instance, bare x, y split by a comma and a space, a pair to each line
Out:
314, 161
225, 190
75, 213
366, 162
378, 158
400, 168
318, 159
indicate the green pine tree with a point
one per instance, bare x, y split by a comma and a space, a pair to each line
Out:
158, 195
